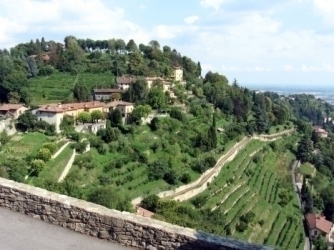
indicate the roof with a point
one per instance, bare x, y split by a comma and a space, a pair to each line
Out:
117, 103
7, 107
125, 80
316, 221
108, 91
60, 108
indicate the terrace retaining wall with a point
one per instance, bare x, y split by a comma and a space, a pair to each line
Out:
122, 227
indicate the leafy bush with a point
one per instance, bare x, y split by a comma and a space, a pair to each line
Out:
51, 146
185, 178
202, 165
150, 202
44, 154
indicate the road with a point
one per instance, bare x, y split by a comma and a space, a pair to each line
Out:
19, 231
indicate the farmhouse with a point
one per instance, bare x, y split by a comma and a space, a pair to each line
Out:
54, 113
12, 110
125, 82
178, 74
318, 225
105, 94
126, 108
320, 132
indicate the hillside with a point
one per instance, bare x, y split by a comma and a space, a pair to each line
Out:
166, 142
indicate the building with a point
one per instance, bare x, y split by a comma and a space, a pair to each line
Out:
151, 80
12, 110
318, 225
320, 132
126, 108
178, 74
54, 113
105, 94
125, 82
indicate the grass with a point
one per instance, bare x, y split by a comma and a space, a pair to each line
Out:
22, 145
55, 167
306, 169
58, 86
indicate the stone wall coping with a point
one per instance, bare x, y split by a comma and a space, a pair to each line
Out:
69, 202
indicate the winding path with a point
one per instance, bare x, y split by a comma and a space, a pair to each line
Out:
188, 191
68, 167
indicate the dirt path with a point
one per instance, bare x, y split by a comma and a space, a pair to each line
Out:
188, 191
67, 168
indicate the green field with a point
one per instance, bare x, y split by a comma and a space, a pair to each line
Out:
58, 86
248, 185
22, 145
55, 167
130, 176
306, 169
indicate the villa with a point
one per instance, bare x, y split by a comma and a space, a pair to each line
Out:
54, 113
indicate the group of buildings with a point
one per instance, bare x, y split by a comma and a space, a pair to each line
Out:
124, 83
54, 113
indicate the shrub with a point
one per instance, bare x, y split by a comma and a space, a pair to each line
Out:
44, 154
37, 165
185, 178
102, 149
51, 146
242, 226
150, 202
80, 147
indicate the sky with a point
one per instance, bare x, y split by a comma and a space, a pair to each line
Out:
266, 42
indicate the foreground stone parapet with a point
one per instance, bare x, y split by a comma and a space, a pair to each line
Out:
98, 221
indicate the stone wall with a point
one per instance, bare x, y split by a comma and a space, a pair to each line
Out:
122, 227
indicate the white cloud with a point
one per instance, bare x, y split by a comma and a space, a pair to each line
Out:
212, 3
191, 19
324, 67
142, 6
167, 32
288, 67
81, 18
248, 69
326, 7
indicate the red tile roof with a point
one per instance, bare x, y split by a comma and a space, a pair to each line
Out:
60, 108
319, 222
7, 107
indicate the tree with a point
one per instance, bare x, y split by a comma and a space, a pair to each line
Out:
304, 151
108, 197
140, 111
27, 121
157, 98
136, 63
137, 92
131, 46
37, 165
96, 115
157, 170
81, 93
44, 154
84, 117
154, 44
4, 138
115, 118
31, 67
319, 243
13, 97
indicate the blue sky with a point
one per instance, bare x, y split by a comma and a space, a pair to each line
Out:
281, 42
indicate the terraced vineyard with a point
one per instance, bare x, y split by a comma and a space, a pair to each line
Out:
58, 86
253, 188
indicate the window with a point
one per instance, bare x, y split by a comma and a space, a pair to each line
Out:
315, 232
